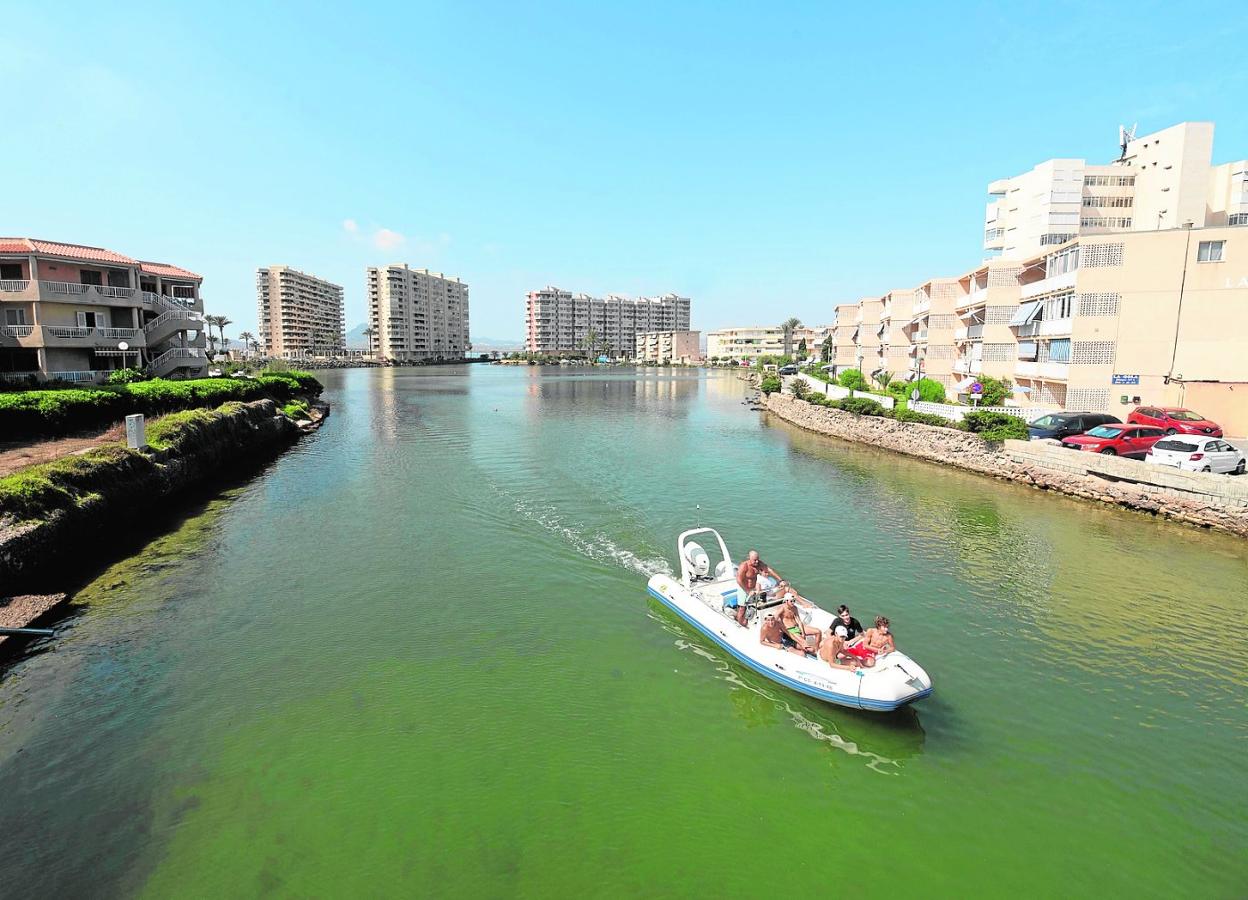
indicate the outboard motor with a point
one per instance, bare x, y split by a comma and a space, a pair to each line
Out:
697, 562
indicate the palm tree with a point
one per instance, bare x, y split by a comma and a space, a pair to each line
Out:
222, 321
884, 379
790, 325
248, 339
368, 333
825, 353
211, 322
589, 343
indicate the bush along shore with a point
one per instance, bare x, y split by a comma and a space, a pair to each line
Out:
1197, 498
50, 511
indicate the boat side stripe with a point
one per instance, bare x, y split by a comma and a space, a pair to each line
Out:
843, 699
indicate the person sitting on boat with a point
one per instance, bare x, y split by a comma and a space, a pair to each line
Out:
784, 589
771, 634
832, 651
747, 585
852, 626
880, 638
791, 619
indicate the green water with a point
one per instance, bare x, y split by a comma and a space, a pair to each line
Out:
415, 656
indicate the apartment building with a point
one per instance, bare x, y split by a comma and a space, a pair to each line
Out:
845, 337
558, 321
1161, 180
746, 343
300, 315
813, 335
417, 315
75, 313
896, 311
666, 347
933, 323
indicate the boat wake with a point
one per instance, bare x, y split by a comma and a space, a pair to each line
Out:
875, 761
596, 546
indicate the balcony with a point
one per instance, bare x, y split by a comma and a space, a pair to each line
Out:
92, 294
33, 336
1056, 326
1047, 370
13, 286
1065, 281
977, 297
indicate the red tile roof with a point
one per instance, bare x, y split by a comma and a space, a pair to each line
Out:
92, 254
168, 271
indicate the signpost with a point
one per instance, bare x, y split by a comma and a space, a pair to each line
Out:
977, 390
136, 437
1126, 379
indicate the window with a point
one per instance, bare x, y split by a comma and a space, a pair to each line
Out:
1238, 219
15, 317
1107, 202
1058, 307
1059, 350
87, 277
1061, 262
1210, 251
1105, 222
10, 272
92, 320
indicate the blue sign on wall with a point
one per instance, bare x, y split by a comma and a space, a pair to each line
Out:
1126, 379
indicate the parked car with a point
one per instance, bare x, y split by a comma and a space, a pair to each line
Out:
1197, 453
1065, 424
1175, 420
788, 370
1128, 440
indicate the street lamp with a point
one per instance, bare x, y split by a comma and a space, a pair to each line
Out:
123, 347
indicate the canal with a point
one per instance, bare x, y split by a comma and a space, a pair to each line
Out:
415, 655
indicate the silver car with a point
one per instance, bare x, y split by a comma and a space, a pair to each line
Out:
1194, 453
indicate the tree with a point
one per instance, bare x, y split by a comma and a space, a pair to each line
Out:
248, 339
801, 349
853, 379
589, 343
995, 390
790, 325
368, 333
826, 351
884, 379
211, 322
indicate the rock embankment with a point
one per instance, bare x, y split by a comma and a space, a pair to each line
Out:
1210, 501
44, 532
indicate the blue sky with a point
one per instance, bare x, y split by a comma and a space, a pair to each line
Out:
765, 159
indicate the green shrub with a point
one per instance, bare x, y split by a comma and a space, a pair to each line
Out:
297, 409
995, 426
125, 376
861, 406
34, 492
909, 415
996, 390
854, 380
930, 391
800, 389
770, 384
176, 430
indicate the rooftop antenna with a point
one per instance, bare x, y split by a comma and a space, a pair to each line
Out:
1126, 136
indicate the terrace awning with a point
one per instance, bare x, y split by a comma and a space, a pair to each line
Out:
964, 385
1026, 313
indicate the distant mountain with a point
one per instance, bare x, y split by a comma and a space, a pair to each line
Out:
356, 339
495, 342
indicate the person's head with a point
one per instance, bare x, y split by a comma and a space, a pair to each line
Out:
843, 612
841, 632
752, 556
881, 622
789, 601
769, 619
782, 587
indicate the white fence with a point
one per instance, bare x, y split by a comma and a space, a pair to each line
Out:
836, 392
955, 413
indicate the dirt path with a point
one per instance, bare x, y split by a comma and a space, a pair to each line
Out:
18, 456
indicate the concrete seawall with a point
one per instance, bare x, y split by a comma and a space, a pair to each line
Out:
1210, 501
42, 555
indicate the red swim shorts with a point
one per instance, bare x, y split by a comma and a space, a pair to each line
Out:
861, 651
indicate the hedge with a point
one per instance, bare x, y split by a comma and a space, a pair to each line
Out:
54, 413
991, 426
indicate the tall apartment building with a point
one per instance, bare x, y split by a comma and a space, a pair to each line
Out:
558, 321
300, 315
663, 347
417, 315
74, 313
1161, 181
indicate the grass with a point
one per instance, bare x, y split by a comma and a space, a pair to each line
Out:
297, 409
56, 412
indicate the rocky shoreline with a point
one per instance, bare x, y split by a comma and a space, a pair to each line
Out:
1217, 502
115, 488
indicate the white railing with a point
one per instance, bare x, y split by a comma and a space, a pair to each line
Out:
110, 291
1052, 283
117, 333
1055, 326
62, 332
64, 287
836, 392
175, 353
17, 331
179, 303
14, 284
955, 413
180, 315
17, 376
88, 375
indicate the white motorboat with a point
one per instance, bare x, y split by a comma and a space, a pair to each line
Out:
699, 595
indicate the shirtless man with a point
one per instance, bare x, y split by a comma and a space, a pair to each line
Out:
879, 639
832, 651
772, 635
747, 585
792, 622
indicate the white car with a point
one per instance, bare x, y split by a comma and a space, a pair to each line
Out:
1193, 453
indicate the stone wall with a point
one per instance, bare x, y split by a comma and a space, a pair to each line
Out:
1210, 501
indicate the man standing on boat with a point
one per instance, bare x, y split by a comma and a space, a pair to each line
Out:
747, 584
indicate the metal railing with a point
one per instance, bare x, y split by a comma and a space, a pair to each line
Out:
109, 291
64, 287
17, 376
180, 315
85, 375
174, 353
63, 332
17, 331
117, 333
14, 284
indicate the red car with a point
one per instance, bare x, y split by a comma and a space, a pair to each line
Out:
1175, 420
1128, 440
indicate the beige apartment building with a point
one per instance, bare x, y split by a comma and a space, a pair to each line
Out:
1161, 180
747, 343
667, 347
417, 315
558, 321
844, 337
300, 315
75, 313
